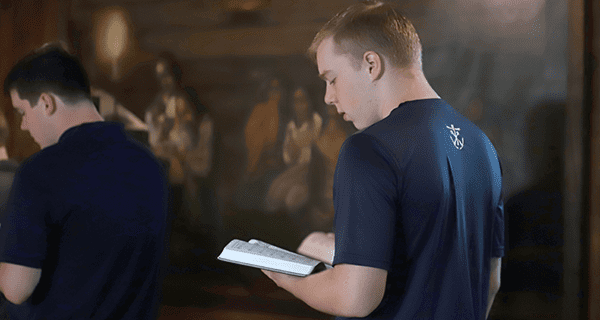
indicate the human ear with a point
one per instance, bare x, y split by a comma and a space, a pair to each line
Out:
48, 103
374, 64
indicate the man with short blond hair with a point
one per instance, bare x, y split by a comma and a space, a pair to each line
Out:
417, 193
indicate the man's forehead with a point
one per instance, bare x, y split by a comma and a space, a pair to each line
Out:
14, 95
326, 44
17, 102
324, 54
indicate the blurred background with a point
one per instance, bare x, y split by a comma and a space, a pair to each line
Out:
222, 91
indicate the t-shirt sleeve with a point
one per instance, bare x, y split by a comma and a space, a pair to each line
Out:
498, 238
23, 229
365, 199
498, 234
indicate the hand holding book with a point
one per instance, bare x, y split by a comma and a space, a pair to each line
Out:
319, 245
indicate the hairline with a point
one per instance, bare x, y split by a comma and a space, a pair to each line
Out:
30, 96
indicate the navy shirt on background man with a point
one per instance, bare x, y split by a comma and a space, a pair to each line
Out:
84, 231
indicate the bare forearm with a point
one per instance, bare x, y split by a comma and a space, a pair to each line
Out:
318, 291
345, 290
494, 283
491, 296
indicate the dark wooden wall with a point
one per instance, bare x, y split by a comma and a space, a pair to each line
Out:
24, 26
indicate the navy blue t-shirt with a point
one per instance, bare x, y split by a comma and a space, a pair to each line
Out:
91, 212
419, 194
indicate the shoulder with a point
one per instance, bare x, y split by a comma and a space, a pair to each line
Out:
363, 148
36, 173
40, 160
360, 142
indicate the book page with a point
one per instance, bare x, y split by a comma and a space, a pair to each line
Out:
261, 256
262, 243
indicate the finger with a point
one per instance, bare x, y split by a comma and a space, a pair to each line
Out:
267, 273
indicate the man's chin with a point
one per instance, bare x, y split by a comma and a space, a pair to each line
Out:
358, 126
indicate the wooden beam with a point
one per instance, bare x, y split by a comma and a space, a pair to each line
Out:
592, 49
574, 198
279, 40
288, 40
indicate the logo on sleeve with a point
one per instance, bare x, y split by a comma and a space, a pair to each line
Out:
459, 143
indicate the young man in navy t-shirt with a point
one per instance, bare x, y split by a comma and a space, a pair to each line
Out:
83, 234
417, 192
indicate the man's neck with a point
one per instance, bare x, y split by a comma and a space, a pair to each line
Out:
78, 114
406, 85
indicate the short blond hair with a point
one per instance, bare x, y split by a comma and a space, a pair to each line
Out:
372, 25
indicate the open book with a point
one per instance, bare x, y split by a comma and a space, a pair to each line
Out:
262, 255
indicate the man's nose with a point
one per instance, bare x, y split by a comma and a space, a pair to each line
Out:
329, 96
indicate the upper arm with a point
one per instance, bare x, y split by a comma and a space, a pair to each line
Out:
362, 288
18, 282
366, 204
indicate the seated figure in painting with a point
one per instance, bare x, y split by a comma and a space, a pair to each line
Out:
262, 128
290, 190
262, 138
178, 133
181, 131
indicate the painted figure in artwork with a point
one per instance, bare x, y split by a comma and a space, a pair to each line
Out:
176, 130
290, 190
180, 130
262, 128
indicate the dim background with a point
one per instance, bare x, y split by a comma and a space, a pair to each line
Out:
501, 63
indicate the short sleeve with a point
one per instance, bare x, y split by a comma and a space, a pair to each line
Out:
23, 231
365, 199
498, 235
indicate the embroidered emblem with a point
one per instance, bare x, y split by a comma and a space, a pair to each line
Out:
454, 132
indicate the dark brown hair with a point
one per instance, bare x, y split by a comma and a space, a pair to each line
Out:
49, 68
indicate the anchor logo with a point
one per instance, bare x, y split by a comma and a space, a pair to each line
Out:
454, 132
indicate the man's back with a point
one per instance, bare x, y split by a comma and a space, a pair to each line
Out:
435, 227
90, 211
